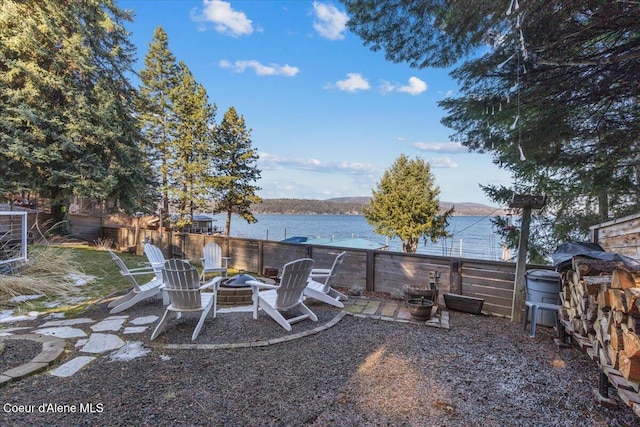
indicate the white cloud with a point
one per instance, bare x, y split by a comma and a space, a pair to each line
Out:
353, 82
415, 86
274, 162
441, 147
260, 69
225, 19
443, 163
331, 22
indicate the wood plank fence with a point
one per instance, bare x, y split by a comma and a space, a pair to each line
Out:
371, 270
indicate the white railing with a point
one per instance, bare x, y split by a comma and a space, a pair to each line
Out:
13, 236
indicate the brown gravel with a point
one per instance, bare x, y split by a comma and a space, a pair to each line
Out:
484, 371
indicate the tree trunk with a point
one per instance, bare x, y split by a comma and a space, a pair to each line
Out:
410, 245
59, 213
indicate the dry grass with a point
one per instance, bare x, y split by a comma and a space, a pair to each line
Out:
49, 271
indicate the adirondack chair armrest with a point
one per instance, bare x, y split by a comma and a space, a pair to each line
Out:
139, 271
256, 285
225, 261
214, 283
320, 272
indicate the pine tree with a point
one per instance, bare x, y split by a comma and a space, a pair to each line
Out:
236, 166
550, 90
406, 204
66, 126
190, 171
158, 121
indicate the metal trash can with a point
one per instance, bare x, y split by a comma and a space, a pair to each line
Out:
544, 286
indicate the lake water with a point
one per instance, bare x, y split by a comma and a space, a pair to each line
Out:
471, 236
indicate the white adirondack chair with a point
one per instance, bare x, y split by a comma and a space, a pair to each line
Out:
319, 285
183, 286
213, 261
287, 295
155, 257
138, 292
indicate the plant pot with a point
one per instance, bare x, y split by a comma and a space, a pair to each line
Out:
412, 292
420, 308
463, 303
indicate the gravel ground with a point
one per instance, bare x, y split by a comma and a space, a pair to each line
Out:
484, 371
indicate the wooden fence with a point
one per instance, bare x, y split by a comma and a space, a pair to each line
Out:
372, 270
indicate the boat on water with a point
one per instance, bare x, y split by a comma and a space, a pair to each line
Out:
349, 242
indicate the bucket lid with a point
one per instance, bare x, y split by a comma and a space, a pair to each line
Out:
543, 274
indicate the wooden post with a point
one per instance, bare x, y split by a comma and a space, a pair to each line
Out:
521, 267
526, 203
370, 271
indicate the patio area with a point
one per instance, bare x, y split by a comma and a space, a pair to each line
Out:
364, 365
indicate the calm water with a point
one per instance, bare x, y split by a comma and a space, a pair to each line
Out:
472, 236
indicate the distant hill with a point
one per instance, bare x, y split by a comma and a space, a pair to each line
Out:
353, 206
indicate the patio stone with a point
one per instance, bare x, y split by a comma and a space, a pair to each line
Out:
67, 322
102, 343
62, 332
109, 324
72, 366
372, 307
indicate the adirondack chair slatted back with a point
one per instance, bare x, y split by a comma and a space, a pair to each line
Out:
124, 270
182, 284
212, 256
295, 275
155, 257
334, 269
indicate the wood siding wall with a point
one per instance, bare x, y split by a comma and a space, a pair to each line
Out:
380, 271
621, 236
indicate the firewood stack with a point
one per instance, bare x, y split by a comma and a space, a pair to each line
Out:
624, 323
580, 296
601, 309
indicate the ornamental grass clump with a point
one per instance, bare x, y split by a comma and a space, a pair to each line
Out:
48, 271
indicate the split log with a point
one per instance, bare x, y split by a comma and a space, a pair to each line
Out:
617, 300
623, 278
614, 357
616, 340
629, 368
593, 267
631, 344
632, 297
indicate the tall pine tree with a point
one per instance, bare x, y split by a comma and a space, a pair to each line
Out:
155, 111
190, 171
236, 165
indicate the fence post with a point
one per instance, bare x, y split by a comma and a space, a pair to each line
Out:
455, 277
370, 272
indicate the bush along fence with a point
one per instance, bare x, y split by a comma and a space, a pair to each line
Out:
362, 270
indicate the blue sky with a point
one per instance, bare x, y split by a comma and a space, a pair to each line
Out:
328, 116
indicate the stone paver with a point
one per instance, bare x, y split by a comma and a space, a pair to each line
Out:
102, 343
111, 324
389, 309
371, 307
72, 366
61, 332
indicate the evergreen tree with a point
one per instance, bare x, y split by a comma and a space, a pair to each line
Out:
158, 120
406, 204
66, 126
189, 171
236, 165
554, 96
